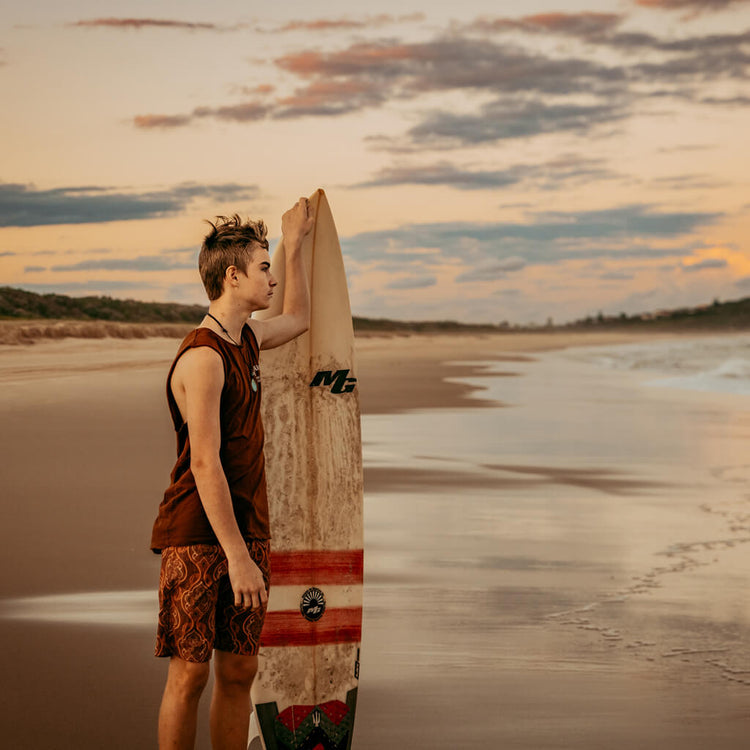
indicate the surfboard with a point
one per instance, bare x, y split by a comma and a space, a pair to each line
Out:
305, 694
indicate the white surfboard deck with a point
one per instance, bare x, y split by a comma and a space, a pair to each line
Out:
309, 662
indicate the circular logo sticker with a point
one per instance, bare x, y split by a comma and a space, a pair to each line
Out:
313, 604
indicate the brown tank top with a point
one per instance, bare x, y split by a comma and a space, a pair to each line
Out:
182, 520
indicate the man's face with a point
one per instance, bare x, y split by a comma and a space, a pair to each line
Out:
257, 283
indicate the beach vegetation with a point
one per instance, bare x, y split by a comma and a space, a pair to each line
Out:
28, 316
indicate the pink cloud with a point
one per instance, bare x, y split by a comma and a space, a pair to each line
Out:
330, 97
244, 112
338, 24
141, 23
357, 59
584, 24
147, 122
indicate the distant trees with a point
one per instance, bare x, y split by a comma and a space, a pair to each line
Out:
18, 303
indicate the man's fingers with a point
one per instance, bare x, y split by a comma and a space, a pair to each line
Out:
305, 203
251, 598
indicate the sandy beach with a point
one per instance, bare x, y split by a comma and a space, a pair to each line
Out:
556, 552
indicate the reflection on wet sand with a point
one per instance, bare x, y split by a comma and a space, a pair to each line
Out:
119, 608
567, 570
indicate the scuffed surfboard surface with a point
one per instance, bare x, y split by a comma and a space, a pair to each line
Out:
314, 474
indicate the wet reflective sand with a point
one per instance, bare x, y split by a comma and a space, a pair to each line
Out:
567, 570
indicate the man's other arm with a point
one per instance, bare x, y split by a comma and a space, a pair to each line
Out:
202, 375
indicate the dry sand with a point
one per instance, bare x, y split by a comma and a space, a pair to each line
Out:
87, 448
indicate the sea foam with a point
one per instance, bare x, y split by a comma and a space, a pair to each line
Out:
718, 364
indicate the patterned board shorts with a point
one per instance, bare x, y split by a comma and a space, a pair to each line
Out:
197, 613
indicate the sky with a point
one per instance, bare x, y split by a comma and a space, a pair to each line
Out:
484, 161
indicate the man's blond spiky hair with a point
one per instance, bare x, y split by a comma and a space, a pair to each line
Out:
230, 242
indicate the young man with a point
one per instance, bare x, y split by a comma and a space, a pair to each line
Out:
212, 528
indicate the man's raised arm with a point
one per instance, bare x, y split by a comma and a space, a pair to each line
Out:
296, 223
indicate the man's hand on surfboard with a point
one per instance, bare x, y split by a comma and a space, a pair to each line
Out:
296, 223
247, 583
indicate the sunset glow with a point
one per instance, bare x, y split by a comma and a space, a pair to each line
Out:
511, 162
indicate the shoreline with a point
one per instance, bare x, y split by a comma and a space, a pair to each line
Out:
397, 373
29, 331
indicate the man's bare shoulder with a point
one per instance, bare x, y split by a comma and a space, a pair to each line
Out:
199, 365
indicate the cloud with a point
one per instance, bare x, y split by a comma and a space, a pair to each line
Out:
687, 147
25, 206
190, 292
549, 237
219, 191
142, 263
161, 121
546, 175
261, 88
529, 88
331, 98
412, 282
602, 29
86, 287
347, 24
504, 120
688, 182
616, 276
7, 254
33, 269
585, 25
727, 101
707, 264
181, 251
444, 173
700, 66
314, 25
143, 23
492, 270
242, 112
455, 62
694, 5
511, 90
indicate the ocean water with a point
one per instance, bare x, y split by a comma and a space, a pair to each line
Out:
708, 363
591, 530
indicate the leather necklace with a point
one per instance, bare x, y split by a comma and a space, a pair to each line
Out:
222, 328
254, 372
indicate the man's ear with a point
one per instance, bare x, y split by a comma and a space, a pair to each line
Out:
230, 275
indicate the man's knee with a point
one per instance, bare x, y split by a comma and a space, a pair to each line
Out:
235, 671
188, 678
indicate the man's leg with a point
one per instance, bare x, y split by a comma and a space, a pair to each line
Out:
230, 704
179, 706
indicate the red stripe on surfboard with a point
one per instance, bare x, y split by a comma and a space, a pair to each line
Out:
310, 567
290, 628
